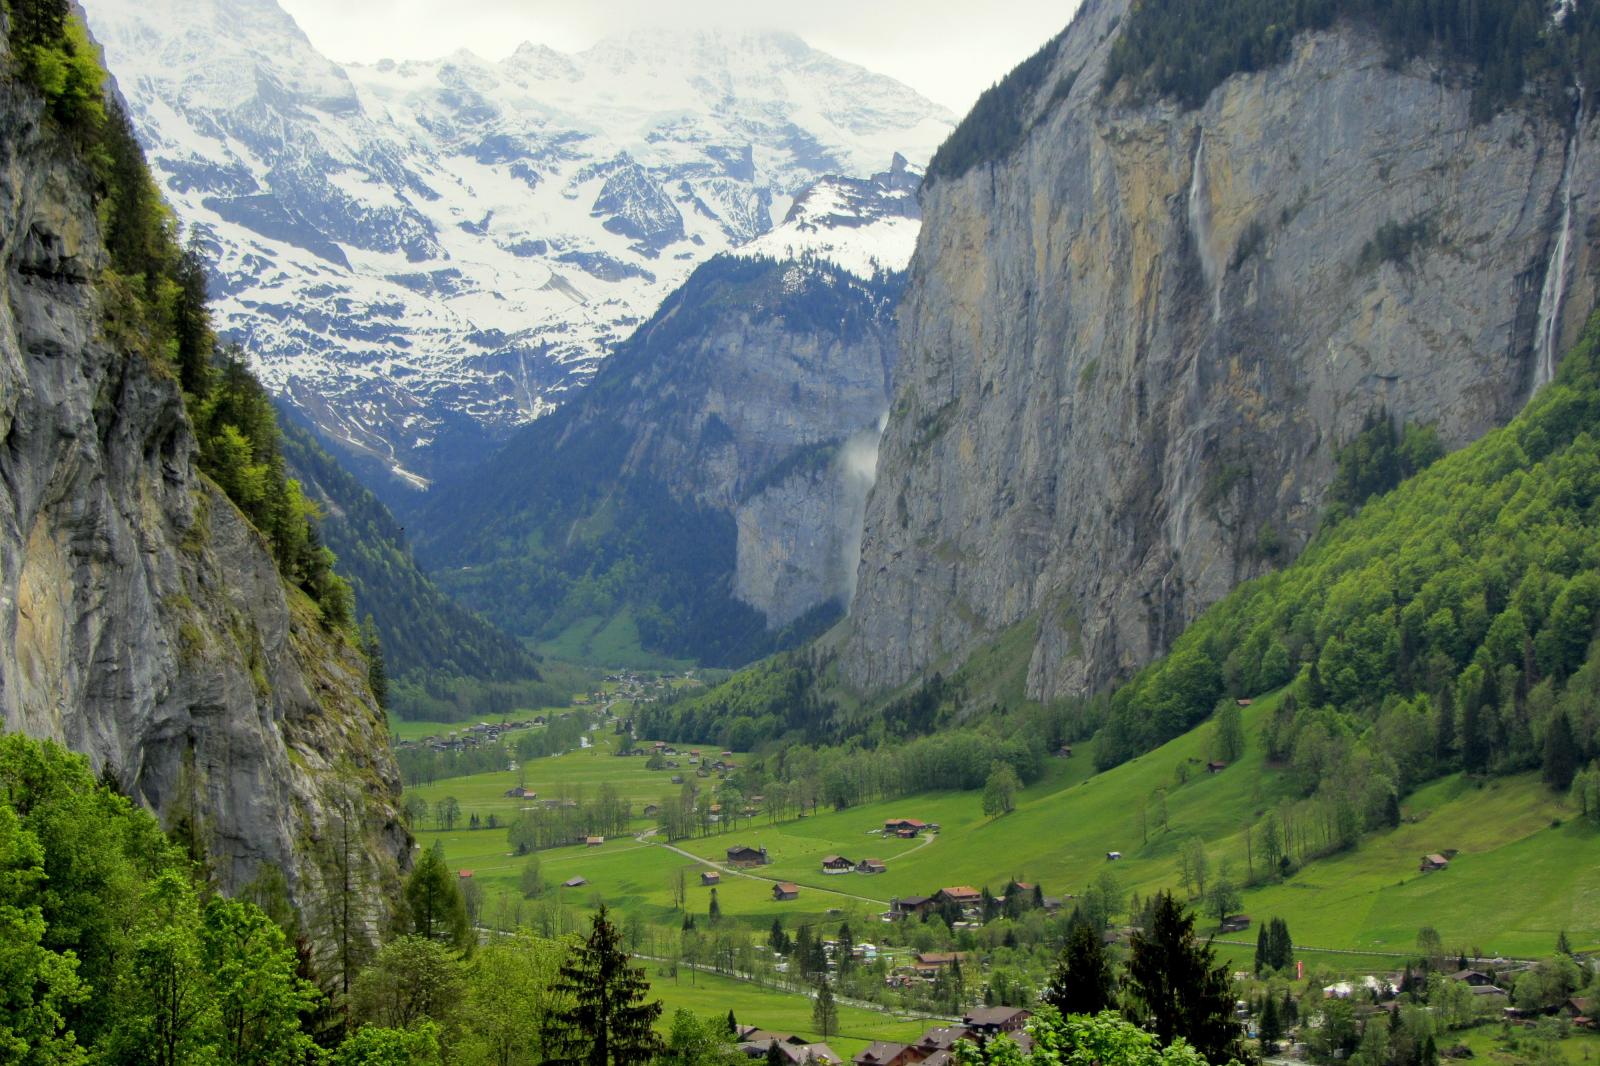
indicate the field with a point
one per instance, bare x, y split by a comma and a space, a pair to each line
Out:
1512, 888
709, 994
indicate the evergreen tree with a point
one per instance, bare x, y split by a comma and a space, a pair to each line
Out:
1177, 986
777, 939
733, 1023
435, 907
1082, 982
607, 1021
377, 676
1263, 951
1270, 1025
714, 911
845, 953
824, 1012
1560, 753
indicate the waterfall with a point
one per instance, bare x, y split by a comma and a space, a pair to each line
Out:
857, 467
1199, 204
1547, 337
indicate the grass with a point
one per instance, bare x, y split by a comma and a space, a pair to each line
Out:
775, 1009
611, 642
1515, 885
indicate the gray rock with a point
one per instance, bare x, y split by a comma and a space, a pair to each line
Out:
142, 619
1123, 376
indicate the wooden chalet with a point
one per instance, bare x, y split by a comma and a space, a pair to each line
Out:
744, 855
710, 877
837, 864
785, 890
987, 1022
886, 1053
1434, 862
872, 866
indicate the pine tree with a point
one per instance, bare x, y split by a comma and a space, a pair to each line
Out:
824, 1012
434, 903
1560, 753
377, 675
1263, 951
733, 1023
607, 1021
1178, 986
845, 953
1271, 1025
715, 910
1082, 982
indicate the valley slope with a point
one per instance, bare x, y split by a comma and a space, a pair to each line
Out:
1136, 331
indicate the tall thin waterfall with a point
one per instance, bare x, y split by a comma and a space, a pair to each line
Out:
1547, 337
1199, 205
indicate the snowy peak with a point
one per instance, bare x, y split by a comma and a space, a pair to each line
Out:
437, 251
863, 226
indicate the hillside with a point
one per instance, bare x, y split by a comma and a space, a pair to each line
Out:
166, 608
704, 495
437, 655
1165, 275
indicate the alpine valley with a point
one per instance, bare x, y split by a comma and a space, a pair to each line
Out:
682, 553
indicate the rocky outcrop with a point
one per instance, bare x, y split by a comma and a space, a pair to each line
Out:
1130, 348
142, 618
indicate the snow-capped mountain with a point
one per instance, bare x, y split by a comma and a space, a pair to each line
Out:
422, 255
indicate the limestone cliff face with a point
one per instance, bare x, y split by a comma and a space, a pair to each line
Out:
1130, 348
142, 619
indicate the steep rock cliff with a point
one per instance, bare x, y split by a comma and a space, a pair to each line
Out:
1131, 345
142, 618
702, 486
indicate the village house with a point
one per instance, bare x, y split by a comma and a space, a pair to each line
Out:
906, 906
1235, 923
743, 855
942, 1038
871, 866
710, 877
785, 890
651, 810
886, 1053
929, 963
1475, 978
986, 1022
963, 896
903, 827
521, 793
837, 864
793, 1050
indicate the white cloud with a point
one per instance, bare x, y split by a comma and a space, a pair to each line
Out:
949, 50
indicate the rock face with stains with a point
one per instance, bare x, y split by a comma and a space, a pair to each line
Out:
1131, 346
142, 618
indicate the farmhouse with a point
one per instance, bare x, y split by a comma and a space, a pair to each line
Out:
1475, 978
793, 1050
651, 810
871, 866
784, 890
1235, 923
837, 864
929, 963
909, 905
521, 793
904, 826
960, 895
986, 1022
942, 1038
1433, 862
710, 877
743, 855
886, 1053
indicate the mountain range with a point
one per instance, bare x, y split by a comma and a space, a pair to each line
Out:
421, 256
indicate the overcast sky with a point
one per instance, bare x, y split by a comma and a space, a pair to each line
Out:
949, 50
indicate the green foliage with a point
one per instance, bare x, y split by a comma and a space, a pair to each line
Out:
1446, 625
997, 124
1177, 986
435, 907
1183, 50
1000, 790
440, 655
604, 1019
1394, 242
373, 1046
1105, 1039
1083, 982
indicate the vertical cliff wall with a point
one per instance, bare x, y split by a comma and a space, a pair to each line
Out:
1130, 347
142, 618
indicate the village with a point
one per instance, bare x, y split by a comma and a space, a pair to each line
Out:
933, 1048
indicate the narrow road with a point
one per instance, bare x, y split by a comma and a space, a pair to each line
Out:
1349, 951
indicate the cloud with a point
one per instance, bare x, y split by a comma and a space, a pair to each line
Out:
949, 50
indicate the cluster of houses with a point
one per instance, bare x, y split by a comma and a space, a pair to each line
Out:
965, 898
472, 736
1490, 987
908, 828
838, 864
933, 1048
